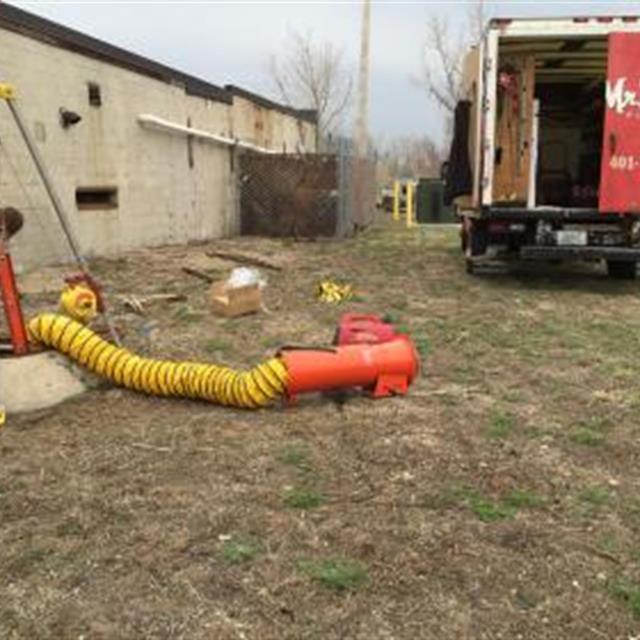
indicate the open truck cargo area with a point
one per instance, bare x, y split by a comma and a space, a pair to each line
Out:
545, 157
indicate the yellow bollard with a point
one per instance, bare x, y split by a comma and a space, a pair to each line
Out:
396, 199
409, 204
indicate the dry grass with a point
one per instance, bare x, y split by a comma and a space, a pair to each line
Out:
497, 500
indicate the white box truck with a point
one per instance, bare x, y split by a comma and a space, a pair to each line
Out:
545, 157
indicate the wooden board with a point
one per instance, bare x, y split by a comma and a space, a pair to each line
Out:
513, 133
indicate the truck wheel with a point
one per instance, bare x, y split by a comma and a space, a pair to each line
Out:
476, 244
621, 270
477, 239
469, 266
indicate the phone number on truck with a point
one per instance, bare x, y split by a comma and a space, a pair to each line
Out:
624, 162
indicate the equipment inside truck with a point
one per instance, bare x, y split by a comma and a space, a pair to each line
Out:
550, 112
570, 126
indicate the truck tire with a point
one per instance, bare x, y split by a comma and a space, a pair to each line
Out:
478, 239
621, 270
475, 238
469, 266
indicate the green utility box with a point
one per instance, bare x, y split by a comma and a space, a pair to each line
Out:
430, 207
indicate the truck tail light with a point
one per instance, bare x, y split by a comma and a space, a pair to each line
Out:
502, 226
498, 227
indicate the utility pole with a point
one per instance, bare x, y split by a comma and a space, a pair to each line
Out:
361, 128
361, 131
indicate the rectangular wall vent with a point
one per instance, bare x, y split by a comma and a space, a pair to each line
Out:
97, 197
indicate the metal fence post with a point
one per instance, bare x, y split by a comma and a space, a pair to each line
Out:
344, 190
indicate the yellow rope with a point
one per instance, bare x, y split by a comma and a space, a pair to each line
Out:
255, 388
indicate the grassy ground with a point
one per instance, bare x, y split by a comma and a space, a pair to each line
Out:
498, 500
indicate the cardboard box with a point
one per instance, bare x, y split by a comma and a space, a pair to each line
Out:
236, 301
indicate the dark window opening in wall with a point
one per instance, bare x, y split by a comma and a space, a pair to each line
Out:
95, 97
97, 197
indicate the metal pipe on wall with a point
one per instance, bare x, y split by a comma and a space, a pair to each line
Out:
154, 122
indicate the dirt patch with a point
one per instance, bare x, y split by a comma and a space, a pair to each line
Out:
497, 500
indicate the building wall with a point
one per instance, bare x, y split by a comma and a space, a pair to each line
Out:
166, 195
270, 128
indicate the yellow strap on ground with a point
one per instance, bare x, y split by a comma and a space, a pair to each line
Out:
255, 388
330, 291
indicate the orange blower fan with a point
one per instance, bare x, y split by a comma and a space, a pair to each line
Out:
369, 354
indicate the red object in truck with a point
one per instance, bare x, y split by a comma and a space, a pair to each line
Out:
620, 171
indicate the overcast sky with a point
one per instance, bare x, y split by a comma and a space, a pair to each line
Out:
231, 42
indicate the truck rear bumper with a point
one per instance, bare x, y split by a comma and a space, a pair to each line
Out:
550, 214
620, 254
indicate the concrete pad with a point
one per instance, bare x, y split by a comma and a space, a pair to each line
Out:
38, 381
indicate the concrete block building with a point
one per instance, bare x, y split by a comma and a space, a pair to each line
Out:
128, 172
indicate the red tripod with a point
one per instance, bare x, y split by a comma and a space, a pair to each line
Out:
10, 223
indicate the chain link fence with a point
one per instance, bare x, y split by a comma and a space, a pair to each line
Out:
306, 195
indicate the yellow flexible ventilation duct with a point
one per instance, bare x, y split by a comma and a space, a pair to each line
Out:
255, 388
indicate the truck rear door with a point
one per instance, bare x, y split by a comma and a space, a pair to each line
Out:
620, 172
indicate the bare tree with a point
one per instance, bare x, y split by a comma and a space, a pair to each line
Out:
444, 54
410, 156
314, 76
477, 16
